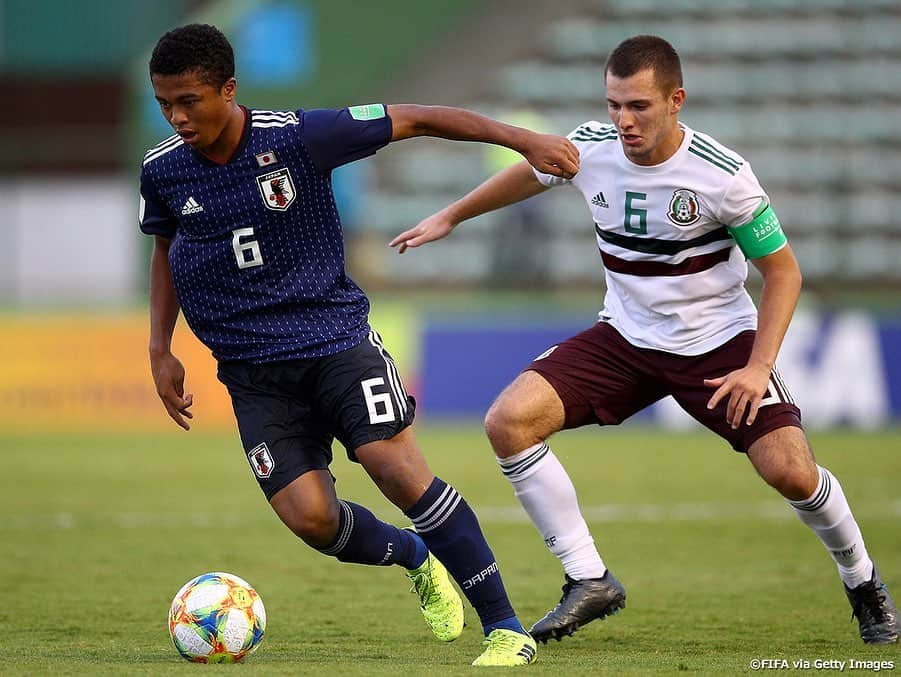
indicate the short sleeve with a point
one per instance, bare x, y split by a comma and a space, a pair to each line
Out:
336, 137
584, 133
154, 218
550, 180
742, 199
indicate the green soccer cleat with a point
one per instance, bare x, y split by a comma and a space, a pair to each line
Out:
438, 599
506, 648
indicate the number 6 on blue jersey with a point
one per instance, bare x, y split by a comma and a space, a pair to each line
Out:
246, 253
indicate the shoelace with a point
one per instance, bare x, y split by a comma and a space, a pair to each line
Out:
501, 642
422, 586
872, 603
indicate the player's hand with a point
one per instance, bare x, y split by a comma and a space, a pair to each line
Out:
745, 388
433, 228
552, 154
169, 377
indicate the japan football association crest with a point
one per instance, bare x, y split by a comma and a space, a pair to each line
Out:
684, 209
277, 189
261, 461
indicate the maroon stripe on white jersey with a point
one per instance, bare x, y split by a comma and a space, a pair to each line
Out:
693, 264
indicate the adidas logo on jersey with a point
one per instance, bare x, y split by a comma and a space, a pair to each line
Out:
599, 200
191, 207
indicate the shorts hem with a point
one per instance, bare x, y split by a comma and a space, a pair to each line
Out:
373, 437
271, 490
564, 392
784, 420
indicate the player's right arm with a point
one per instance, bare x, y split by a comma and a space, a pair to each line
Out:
511, 185
168, 371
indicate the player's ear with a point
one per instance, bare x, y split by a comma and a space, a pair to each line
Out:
229, 89
677, 98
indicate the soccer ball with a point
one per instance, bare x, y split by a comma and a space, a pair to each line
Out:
216, 618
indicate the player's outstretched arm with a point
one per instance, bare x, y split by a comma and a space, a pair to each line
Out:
746, 387
504, 188
168, 372
548, 153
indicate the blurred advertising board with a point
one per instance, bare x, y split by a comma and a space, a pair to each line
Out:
842, 369
80, 371
90, 371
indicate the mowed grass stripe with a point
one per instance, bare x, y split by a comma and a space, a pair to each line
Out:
718, 570
775, 510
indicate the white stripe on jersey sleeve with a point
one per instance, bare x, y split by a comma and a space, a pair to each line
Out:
153, 155
273, 115
164, 142
274, 123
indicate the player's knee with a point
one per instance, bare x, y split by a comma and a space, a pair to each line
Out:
397, 467
793, 482
510, 429
500, 421
315, 528
401, 483
784, 460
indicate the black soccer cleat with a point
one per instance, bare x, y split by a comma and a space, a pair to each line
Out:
875, 610
582, 602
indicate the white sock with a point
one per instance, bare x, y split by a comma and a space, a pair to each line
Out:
827, 512
549, 497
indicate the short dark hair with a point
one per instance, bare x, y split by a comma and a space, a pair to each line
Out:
199, 48
646, 51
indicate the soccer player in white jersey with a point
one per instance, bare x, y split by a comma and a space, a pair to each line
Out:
676, 216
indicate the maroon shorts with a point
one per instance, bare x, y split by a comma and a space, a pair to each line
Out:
602, 378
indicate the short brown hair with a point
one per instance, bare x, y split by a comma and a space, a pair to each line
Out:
643, 52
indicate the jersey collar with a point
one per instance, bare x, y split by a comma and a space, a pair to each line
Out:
242, 144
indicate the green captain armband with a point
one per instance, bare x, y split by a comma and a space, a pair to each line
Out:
761, 236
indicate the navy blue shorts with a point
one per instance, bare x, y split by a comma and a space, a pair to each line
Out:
602, 378
290, 412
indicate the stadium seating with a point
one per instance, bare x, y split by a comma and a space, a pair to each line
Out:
809, 93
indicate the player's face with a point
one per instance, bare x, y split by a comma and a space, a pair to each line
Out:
197, 110
645, 116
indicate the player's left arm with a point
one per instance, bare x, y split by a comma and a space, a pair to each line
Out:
756, 230
548, 153
747, 386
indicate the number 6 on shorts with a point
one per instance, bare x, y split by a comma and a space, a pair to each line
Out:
373, 401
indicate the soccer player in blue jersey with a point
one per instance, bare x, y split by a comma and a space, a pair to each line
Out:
248, 246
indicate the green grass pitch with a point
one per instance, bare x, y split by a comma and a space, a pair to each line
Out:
97, 534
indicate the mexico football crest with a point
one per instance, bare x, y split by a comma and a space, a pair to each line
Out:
684, 209
277, 189
261, 461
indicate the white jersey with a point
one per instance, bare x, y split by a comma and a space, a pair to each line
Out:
675, 277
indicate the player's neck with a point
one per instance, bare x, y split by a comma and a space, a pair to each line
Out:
667, 148
223, 148
672, 144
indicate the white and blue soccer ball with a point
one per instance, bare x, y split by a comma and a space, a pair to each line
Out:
216, 618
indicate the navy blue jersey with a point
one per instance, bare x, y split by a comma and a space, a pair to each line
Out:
257, 251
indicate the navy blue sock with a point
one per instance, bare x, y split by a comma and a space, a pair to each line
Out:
511, 623
363, 539
451, 531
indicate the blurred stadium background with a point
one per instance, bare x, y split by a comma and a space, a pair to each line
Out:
106, 508
808, 90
